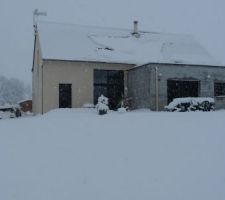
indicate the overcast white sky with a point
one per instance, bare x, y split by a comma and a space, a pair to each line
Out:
204, 19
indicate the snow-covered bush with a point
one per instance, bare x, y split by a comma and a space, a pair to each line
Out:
102, 105
122, 110
124, 104
191, 104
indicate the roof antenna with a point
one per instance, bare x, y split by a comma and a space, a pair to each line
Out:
37, 13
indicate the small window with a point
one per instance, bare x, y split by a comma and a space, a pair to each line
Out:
219, 89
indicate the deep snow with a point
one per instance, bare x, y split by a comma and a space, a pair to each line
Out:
77, 154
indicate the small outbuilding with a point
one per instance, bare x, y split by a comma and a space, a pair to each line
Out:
25, 105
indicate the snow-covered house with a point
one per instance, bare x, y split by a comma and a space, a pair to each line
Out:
73, 65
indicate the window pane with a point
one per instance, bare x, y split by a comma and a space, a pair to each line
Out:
115, 77
98, 91
219, 89
110, 83
100, 77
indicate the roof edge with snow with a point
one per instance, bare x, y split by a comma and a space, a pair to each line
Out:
67, 42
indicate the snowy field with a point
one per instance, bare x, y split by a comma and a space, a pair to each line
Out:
79, 155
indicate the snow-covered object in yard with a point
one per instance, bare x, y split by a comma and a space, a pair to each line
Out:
10, 111
122, 110
6, 106
88, 105
88, 43
6, 115
192, 102
102, 105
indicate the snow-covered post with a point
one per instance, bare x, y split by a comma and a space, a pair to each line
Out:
102, 105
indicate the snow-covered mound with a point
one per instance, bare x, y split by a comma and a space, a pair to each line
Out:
78, 154
192, 103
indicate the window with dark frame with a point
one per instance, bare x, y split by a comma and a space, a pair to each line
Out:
182, 88
110, 83
219, 89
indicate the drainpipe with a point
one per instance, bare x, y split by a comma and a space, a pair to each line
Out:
125, 84
156, 89
42, 98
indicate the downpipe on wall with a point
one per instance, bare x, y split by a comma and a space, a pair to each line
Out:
42, 92
157, 88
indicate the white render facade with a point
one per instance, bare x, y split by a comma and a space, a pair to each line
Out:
78, 74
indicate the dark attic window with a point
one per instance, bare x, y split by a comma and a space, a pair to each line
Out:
219, 89
106, 48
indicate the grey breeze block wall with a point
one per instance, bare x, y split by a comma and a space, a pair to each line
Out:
138, 81
142, 83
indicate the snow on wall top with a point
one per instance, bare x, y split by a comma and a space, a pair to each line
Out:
88, 43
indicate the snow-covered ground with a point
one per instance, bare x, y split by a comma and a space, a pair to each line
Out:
77, 154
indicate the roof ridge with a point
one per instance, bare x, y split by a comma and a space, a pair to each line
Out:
82, 25
114, 28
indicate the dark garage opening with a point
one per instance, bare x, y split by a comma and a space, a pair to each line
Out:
181, 88
110, 83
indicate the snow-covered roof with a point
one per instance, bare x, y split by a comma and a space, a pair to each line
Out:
8, 106
24, 100
88, 43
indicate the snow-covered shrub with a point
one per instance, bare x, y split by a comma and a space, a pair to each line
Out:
102, 105
124, 104
191, 104
122, 110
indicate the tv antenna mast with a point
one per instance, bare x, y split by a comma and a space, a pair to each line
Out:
37, 13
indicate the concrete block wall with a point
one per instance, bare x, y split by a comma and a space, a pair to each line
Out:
138, 81
142, 81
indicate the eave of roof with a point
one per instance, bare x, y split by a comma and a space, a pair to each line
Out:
177, 64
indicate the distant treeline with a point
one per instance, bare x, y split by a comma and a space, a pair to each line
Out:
13, 90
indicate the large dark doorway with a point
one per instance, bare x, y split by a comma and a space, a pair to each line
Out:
65, 96
180, 88
110, 83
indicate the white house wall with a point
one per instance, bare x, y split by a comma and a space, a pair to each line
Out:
79, 74
37, 78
